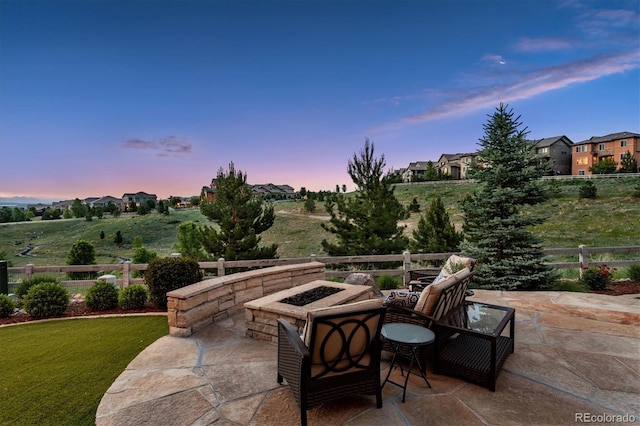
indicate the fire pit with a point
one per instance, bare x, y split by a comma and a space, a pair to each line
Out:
310, 296
262, 314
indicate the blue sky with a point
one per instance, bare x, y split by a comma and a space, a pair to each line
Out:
106, 97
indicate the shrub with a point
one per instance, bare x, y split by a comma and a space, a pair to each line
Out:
46, 299
575, 286
388, 282
82, 253
24, 286
170, 273
101, 296
588, 190
597, 278
142, 255
6, 306
634, 273
133, 297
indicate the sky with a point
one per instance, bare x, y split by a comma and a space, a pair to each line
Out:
108, 97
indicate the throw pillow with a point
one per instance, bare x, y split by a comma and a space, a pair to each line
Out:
404, 299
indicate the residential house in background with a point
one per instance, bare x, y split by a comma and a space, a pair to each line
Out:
557, 150
455, 165
138, 198
104, 201
597, 148
276, 192
62, 205
266, 190
415, 172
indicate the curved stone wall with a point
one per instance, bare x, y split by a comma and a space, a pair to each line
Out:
196, 306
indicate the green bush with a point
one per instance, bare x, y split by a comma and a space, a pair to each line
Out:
597, 278
575, 286
170, 273
133, 297
6, 306
634, 273
24, 286
588, 190
142, 255
82, 253
101, 296
388, 282
45, 300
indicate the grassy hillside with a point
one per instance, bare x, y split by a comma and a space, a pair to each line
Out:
613, 219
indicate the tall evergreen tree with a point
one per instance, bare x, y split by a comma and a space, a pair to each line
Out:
435, 232
367, 222
497, 234
240, 217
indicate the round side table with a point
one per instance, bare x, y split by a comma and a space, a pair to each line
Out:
411, 335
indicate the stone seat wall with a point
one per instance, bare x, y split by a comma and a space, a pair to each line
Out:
198, 305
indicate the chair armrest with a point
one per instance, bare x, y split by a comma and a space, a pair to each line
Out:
407, 315
294, 341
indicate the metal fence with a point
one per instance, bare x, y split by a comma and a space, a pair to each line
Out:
337, 266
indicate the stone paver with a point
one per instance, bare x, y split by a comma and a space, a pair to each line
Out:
574, 353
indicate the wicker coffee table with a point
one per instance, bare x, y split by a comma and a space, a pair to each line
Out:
471, 343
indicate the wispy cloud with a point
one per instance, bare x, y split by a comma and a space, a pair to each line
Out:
612, 32
529, 85
545, 44
167, 146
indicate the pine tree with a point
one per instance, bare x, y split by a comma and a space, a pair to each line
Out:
367, 222
497, 234
240, 216
435, 232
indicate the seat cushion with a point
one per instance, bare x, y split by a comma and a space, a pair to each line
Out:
342, 344
430, 295
364, 304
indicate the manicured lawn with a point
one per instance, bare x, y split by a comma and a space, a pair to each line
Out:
55, 373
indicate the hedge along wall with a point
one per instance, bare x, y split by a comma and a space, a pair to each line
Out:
198, 305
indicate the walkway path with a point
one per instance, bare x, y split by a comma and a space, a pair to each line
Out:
576, 355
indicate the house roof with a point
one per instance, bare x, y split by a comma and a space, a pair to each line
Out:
609, 138
419, 165
106, 199
139, 194
452, 157
552, 140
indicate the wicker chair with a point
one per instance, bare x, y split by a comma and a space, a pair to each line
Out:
421, 279
337, 356
435, 301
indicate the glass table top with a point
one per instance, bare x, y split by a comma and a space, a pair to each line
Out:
478, 317
407, 333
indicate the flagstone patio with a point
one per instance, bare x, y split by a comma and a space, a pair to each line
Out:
577, 358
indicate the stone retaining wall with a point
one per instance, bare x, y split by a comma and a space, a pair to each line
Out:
196, 306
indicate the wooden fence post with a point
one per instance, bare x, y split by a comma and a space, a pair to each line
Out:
583, 257
126, 273
406, 266
28, 271
221, 267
